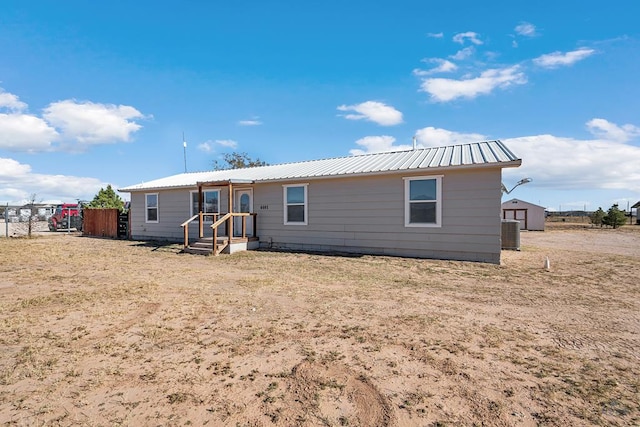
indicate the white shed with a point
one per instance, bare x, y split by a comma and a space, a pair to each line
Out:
531, 216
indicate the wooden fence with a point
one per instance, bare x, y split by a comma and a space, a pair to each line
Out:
100, 222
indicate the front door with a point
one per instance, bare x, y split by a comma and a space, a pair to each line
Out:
243, 202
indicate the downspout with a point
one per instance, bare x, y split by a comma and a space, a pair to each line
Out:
230, 226
200, 219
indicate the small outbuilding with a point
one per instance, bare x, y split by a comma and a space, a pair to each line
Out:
637, 208
531, 216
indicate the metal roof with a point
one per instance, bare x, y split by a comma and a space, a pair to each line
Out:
477, 154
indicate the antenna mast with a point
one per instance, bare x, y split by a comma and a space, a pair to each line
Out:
184, 145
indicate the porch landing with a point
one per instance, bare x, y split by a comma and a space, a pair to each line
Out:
204, 246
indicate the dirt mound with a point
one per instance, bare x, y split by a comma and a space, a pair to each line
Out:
334, 392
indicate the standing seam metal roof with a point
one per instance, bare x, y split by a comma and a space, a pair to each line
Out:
487, 153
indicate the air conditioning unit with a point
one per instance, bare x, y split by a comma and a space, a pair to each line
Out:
511, 234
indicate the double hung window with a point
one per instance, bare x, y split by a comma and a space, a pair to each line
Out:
151, 207
423, 201
295, 204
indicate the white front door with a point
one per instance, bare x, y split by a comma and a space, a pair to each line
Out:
243, 202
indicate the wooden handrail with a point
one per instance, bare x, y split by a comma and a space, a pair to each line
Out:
199, 216
185, 228
214, 227
217, 223
221, 220
186, 223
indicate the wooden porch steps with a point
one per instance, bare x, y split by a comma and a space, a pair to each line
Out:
204, 246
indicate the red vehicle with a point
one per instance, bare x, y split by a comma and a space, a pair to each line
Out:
67, 215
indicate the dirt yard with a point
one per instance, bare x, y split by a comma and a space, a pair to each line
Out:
103, 332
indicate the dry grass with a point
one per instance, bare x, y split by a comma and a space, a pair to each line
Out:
101, 332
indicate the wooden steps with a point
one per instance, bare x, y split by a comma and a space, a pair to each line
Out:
204, 246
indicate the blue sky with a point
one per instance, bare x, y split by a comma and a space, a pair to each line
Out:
97, 93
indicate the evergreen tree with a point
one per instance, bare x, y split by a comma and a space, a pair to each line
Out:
597, 217
106, 199
614, 217
237, 161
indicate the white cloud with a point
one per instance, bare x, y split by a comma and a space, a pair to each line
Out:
425, 137
435, 35
377, 144
209, 146
463, 53
444, 90
63, 124
252, 122
11, 102
469, 35
18, 182
577, 164
444, 66
567, 163
93, 123
10, 168
206, 146
23, 132
526, 29
229, 143
561, 59
606, 130
438, 137
373, 111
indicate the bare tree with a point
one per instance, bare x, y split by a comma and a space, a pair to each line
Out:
31, 203
237, 160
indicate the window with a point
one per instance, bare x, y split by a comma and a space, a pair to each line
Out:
423, 201
151, 207
210, 203
295, 204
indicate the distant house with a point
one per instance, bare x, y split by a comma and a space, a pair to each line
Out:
441, 202
531, 216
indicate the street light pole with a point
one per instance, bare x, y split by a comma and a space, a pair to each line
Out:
521, 182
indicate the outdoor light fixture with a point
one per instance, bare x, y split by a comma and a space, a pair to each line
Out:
522, 181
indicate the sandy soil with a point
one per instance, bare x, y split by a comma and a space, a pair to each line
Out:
104, 332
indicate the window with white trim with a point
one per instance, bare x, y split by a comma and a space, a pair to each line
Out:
295, 204
151, 207
423, 201
210, 203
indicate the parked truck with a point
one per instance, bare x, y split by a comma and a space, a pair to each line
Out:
66, 216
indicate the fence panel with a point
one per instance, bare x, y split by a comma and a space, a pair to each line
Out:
100, 222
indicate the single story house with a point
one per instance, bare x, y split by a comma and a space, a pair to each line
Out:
531, 216
440, 202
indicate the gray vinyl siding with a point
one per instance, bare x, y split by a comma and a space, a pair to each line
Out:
362, 214
174, 208
366, 215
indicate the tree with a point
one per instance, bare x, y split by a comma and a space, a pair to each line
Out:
614, 217
31, 204
597, 217
237, 161
106, 198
